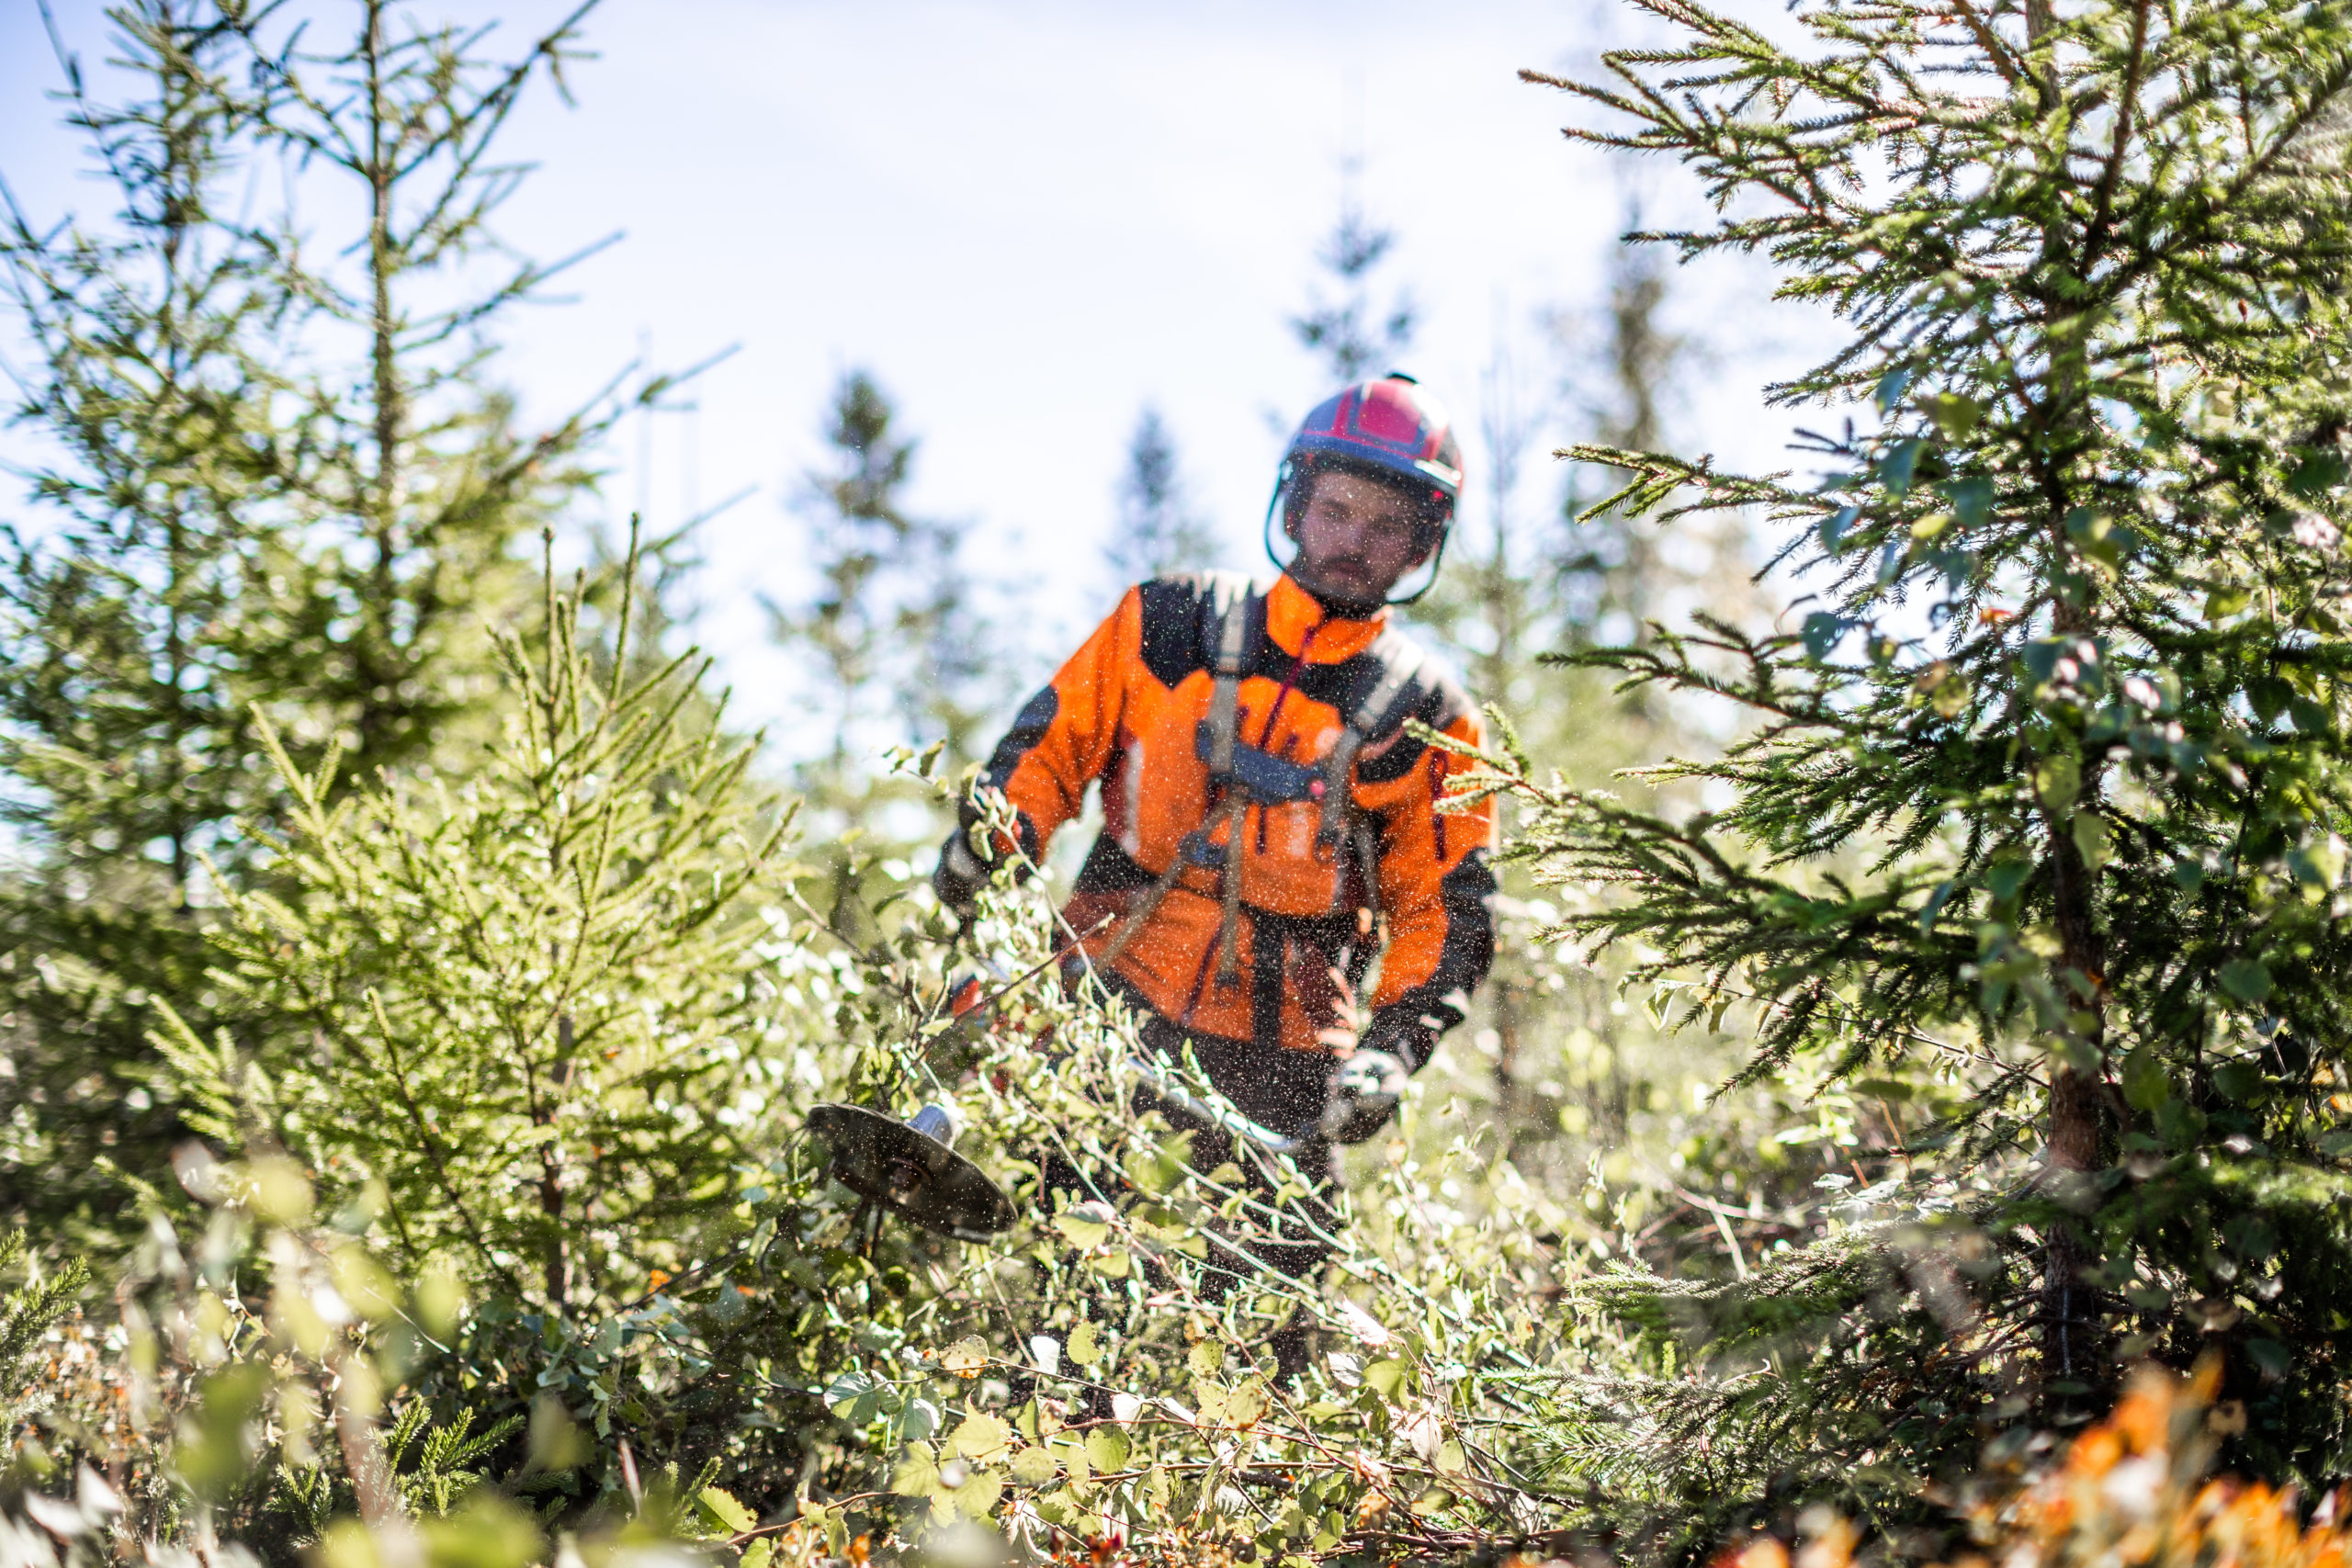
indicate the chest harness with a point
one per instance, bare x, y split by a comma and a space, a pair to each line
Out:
1241, 776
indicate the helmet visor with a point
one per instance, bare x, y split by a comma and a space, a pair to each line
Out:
1431, 511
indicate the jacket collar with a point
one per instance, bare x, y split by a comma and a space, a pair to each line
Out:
1293, 615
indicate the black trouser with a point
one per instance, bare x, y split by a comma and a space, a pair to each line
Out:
1283, 1091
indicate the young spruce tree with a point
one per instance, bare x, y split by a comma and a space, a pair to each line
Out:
276, 478
893, 641
1351, 329
2041, 824
522, 1004
1157, 530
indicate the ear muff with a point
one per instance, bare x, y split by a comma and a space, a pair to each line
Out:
1282, 549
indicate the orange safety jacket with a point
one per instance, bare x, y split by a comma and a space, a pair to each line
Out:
1137, 708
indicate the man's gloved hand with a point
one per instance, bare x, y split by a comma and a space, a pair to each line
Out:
1363, 1093
959, 877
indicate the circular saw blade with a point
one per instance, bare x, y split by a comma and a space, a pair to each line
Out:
910, 1174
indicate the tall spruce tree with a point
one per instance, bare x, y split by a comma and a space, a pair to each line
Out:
1573, 1068
2040, 829
120, 606
1348, 322
1157, 530
277, 477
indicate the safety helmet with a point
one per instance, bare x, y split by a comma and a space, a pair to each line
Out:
1391, 429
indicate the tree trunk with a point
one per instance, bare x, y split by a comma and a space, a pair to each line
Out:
558, 1262
2070, 1305
378, 677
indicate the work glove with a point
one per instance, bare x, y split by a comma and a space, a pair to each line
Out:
959, 877
1365, 1087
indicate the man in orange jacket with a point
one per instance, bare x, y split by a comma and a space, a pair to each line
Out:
1271, 826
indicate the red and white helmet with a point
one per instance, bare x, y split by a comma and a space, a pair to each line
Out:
1390, 426
1391, 429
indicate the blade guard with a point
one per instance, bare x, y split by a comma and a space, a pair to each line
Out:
906, 1168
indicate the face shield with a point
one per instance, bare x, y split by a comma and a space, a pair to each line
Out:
1293, 484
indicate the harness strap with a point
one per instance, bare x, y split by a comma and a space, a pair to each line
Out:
1225, 721
1368, 857
1228, 925
1369, 719
1224, 697
1139, 913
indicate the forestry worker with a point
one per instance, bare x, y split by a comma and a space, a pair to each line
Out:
1270, 825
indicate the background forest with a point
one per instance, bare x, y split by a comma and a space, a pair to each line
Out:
1919, 1004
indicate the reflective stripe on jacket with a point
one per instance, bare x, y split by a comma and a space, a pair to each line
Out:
1131, 710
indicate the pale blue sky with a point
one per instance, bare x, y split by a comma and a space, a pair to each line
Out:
1028, 219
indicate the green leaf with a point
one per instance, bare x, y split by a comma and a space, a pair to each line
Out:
1244, 1404
2224, 602
1205, 1358
1082, 1230
981, 1438
1955, 415
1106, 1448
2179, 1123
486, 1532
2145, 1084
1085, 1345
2091, 839
1947, 689
1156, 1171
1383, 1377
850, 1389
2239, 1081
720, 1507
2245, 979
966, 1357
1894, 469
2322, 469
1971, 502
1822, 633
2057, 781
2317, 867
1033, 1467
1936, 899
977, 1498
2093, 535
1071, 1451
918, 1473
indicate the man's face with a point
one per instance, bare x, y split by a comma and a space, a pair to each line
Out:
1357, 539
